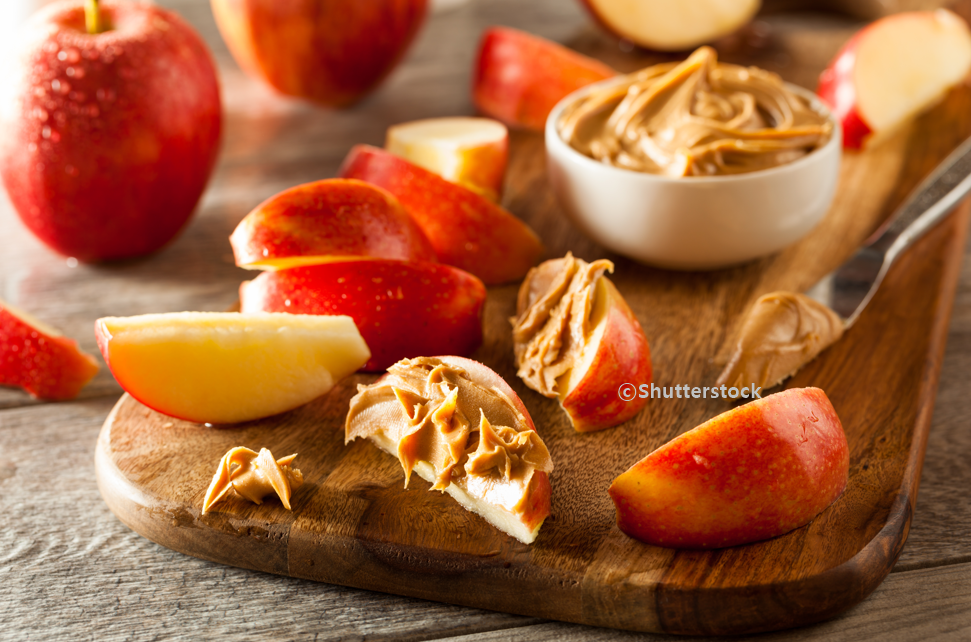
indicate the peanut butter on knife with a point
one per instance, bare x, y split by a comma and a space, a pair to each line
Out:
782, 332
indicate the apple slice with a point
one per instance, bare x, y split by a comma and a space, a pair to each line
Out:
469, 151
458, 425
664, 25
36, 357
466, 230
754, 472
519, 78
402, 309
892, 70
576, 339
225, 367
328, 220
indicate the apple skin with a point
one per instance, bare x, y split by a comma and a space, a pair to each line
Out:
105, 153
402, 309
332, 52
467, 230
47, 365
757, 471
837, 89
333, 219
623, 356
518, 78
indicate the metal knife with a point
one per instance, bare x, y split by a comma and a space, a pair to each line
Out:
848, 288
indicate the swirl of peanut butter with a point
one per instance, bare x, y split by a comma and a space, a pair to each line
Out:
695, 118
782, 332
253, 476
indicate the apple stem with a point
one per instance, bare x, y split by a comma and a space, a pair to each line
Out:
91, 16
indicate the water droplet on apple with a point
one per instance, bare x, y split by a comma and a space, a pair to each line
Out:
72, 262
105, 95
32, 147
46, 131
41, 114
75, 72
61, 86
71, 170
73, 55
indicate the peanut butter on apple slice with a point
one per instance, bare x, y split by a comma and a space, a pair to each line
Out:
553, 319
782, 332
253, 476
466, 438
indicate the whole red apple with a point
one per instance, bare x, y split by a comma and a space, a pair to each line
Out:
107, 139
332, 52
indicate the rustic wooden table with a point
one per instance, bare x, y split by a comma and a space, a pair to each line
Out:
70, 570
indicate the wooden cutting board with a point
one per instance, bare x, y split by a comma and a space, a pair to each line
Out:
353, 523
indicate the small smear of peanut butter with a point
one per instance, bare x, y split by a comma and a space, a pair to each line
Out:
253, 476
428, 407
695, 118
782, 332
552, 322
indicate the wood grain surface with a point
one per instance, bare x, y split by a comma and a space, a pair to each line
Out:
354, 524
70, 570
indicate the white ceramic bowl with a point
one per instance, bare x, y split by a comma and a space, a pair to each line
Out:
693, 223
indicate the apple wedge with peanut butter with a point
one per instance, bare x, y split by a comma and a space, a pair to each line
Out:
460, 427
576, 340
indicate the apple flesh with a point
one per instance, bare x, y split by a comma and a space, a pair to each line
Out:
663, 25
225, 367
616, 352
467, 230
892, 70
469, 151
107, 140
754, 472
36, 357
328, 220
332, 53
518, 78
403, 309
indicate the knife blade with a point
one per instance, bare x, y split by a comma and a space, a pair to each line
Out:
848, 288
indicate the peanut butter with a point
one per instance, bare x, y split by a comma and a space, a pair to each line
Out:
425, 410
782, 332
695, 118
253, 476
552, 321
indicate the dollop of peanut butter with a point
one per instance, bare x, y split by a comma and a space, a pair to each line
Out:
253, 476
471, 435
695, 118
552, 322
782, 332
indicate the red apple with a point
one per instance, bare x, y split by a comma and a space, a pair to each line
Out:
328, 220
403, 309
332, 52
107, 139
466, 229
664, 25
519, 78
754, 472
892, 70
37, 358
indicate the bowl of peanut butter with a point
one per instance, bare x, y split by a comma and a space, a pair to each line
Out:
695, 165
